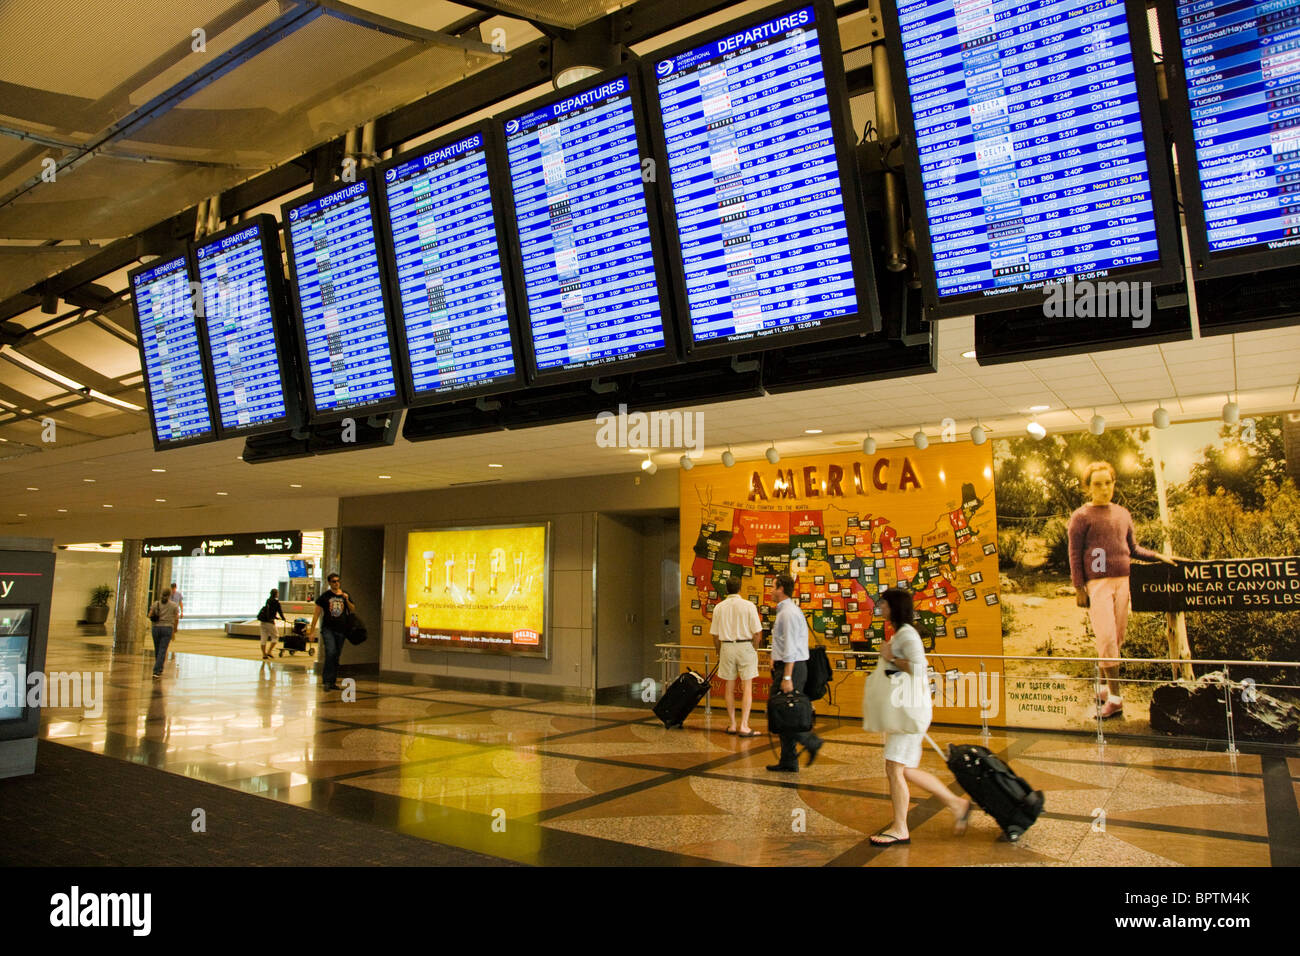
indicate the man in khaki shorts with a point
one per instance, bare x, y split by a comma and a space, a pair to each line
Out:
736, 631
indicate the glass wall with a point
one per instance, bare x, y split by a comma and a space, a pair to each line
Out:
221, 589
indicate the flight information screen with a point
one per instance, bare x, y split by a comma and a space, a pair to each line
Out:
755, 182
584, 230
450, 281
169, 341
340, 297
1242, 67
1029, 132
240, 320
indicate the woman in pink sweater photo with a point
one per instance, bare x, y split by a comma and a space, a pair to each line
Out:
1102, 544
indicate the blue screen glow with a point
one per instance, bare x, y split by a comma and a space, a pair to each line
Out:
755, 183
340, 298
584, 230
1242, 66
169, 339
451, 287
238, 316
1030, 139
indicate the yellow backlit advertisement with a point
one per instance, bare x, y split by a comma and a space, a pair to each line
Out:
478, 589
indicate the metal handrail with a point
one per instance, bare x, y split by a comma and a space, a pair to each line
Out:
1023, 657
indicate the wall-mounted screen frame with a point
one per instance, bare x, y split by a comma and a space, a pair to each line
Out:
549, 290
264, 337
1001, 174
741, 199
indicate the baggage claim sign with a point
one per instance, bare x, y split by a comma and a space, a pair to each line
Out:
847, 526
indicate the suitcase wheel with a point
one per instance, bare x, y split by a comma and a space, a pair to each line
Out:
1014, 834
311, 652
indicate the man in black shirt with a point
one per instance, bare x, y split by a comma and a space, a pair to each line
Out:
336, 607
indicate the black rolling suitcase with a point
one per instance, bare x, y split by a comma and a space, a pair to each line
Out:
681, 698
295, 640
1000, 792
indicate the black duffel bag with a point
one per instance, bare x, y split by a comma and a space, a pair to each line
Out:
356, 632
790, 713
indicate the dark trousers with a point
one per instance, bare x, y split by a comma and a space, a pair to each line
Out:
162, 636
332, 643
798, 676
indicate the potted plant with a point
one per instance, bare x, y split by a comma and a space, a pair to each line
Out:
97, 610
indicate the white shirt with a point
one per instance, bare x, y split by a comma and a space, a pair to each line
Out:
789, 633
907, 645
735, 619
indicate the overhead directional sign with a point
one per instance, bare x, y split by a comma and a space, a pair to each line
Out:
256, 542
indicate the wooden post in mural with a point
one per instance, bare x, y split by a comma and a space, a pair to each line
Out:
1175, 623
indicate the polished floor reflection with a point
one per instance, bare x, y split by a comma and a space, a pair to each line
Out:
542, 781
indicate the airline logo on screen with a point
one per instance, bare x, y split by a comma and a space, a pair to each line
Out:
664, 67
512, 126
526, 635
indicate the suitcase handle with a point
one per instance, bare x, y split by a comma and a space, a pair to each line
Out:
941, 754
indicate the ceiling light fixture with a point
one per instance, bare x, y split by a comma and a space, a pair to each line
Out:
30, 488
295, 486
772, 455
493, 464
812, 431
1039, 408
968, 354
17, 358
728, 459
1160, 417
868, 445
223, 494
1231, 411
1097, 424
91, 480
921, 440
386, 476
978, 435
158, 470
686, 463
1036, 430
648, 466
161, 500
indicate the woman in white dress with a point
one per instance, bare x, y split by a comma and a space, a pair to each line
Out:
905, 652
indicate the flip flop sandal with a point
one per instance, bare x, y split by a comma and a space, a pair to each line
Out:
752, 733
889, 839
730, 733
959, 828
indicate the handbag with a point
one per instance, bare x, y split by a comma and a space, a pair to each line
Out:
356, 632
153, 614
897, 704
790, 713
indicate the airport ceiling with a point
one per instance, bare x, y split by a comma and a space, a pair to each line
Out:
138, 121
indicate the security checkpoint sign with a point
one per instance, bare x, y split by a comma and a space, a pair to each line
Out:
254, 542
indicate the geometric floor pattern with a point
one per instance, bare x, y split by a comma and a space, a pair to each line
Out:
553, 782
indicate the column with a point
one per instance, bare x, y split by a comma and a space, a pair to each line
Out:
330, 553
132, 605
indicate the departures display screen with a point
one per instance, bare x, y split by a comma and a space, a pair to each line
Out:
450, 282
172, 359
584, 230
239, 316
339, 288
1241, 68
756, 188
1028, 127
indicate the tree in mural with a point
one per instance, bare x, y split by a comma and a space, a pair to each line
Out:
1252, 459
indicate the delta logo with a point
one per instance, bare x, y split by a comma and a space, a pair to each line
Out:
526, 635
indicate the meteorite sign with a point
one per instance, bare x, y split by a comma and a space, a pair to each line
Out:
1225, 584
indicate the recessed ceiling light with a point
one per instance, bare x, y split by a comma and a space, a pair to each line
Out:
91, 480
159, 470
22, 514
1039, 408
223, 493
385, 476
495, 465
161, 500
108, 506
295, 486
970, 354
63, 510
812, 431
30, 488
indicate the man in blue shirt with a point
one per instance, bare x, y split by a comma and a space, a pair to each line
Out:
790, 668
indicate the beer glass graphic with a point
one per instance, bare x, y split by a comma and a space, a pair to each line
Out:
519, 569
497, 559
471, 564
428, 572
449, 564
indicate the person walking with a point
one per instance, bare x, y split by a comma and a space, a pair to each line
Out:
905, 653
266, 621
790, 669
179, 600
164, 615
334, 609
1102, 546
736, 631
